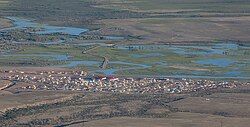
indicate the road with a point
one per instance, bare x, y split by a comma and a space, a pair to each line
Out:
105, 59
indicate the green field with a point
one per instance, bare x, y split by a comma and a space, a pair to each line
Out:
141, 60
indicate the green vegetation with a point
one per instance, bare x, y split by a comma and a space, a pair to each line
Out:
63, 12
165, 38
168, 60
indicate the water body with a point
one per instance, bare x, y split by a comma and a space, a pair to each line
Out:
188, 50
20, 23
234, 73
73, 63
204, 50
196, 77
214, 55
147, 55
113, 38
222, 46
220, 62
56, 57
141, 47
113, 71
223, 62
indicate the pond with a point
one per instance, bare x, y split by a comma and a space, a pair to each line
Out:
222, 59
20, 23
220, 62
189, 60
49, 56
146, 55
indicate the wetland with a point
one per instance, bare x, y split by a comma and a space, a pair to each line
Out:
212, 60
176, 63
219, 59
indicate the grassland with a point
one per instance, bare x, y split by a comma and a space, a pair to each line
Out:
181, 20
3, 2
154, 22
4, 23
228, 108
215, 6
148, 60
185, 29
10, 101
63, 12
174, 120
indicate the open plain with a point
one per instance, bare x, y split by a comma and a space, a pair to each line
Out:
123, 63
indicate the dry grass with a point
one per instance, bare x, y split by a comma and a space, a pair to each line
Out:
230, 109
174, 120
23, 99
227, 104
185, 29
4, 23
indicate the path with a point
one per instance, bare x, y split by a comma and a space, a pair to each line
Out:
105, 59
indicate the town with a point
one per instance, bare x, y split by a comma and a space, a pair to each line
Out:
81, 81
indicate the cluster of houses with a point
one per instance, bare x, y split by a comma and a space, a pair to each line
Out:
80, 81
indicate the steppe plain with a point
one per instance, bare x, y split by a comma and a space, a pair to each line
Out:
174, 39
